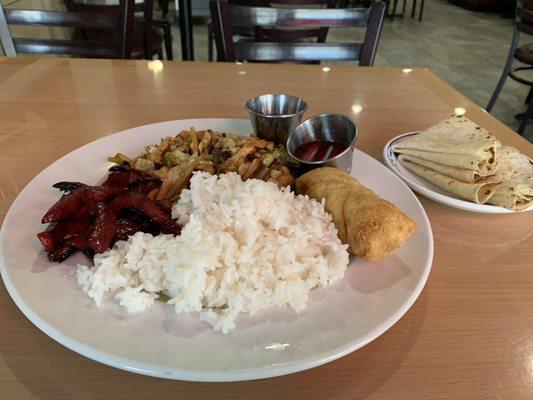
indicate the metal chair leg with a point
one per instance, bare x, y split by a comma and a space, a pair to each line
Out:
499, 87
525, 119
421, 10
387, 6
167, 37
506, 70
163, 5
508, 65
394, 6
413, 9
210, 39
404, 6
529, 95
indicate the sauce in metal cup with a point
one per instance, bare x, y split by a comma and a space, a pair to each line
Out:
324, 140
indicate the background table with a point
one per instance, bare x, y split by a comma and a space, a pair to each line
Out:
469, 335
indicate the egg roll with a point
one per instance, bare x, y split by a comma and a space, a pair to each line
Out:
372, 227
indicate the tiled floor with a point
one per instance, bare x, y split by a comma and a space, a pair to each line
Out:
466, 49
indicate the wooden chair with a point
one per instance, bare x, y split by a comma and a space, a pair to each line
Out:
146, 41
226, 17
523, 54
317, 34
122, 23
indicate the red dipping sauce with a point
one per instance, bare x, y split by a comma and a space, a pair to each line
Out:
318, 151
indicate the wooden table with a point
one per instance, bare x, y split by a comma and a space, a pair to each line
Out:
469, 335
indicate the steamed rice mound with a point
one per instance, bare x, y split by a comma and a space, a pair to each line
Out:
246, 246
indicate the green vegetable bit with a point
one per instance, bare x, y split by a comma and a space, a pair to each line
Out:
120, 159
175, 157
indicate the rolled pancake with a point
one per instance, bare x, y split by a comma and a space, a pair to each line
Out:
372, 227
516, 173
478, 192
456, 141
462, 174
514, 197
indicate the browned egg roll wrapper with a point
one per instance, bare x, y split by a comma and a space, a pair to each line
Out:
372, 227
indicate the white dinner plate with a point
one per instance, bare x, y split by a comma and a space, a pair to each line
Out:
339, 319
428, 189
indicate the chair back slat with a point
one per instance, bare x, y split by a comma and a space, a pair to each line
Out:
122, 22
241, 16
267, 3
92, 7
66, 19
280, 35
302, 2
68, 47
272, 43
264, 51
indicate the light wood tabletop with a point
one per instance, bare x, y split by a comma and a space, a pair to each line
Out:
470, 333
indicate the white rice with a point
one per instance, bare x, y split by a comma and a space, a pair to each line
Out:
246, 246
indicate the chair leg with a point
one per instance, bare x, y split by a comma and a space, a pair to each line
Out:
529, 95
404, 6
164, 7
500, 85
525, 119
167, 37
413, 9
210, 39
498, 89
421, 10
394, 6
506, 70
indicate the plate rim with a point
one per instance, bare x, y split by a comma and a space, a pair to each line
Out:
435, 196
159, 371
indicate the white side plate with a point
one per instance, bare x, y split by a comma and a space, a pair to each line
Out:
338, 320
428, 189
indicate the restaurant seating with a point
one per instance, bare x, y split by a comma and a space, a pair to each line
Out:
269, 48
413, 9
99, 31
147, 41
317, 34
523, 54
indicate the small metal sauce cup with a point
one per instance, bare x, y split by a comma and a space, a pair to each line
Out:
337, 128
274, 116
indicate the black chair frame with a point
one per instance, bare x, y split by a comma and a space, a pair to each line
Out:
523, 24
225, 17
123, 21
